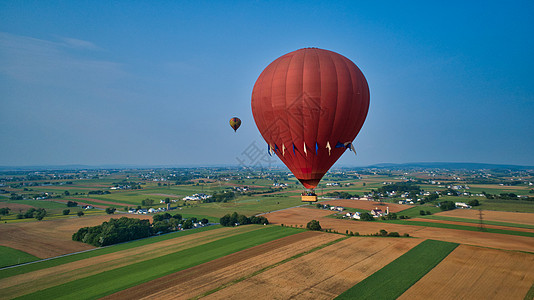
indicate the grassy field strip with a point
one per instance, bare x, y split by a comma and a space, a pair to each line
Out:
461, 227
10, 256
97, 252
396, 277
27, 283
270, 267
530, 293
105, 283
486, 222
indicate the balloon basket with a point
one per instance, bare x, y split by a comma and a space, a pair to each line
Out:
309, 199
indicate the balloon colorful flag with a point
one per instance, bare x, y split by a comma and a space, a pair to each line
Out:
310, 101
235, 122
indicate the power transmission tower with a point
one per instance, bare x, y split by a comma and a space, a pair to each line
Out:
481, 226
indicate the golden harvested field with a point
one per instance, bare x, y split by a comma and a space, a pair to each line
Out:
477, 273
301, 216
51, 238
367, 205
205, 277
490, 215
322, 274
30, 282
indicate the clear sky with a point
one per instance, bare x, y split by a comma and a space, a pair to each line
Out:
155, 82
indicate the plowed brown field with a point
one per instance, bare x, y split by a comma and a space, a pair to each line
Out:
367, 205
322, 274
477, 273
30, 282
15, 207
301, 216
500, 216
51, 238
202, 278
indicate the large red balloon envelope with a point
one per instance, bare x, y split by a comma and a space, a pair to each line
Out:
309, 105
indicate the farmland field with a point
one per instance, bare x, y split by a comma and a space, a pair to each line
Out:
256, 261
50, 238
391, 281
322, 274
103, 283
221, 271
10, 256
301, 216
477, 273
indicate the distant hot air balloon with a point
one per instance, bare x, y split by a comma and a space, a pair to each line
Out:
235, 122
309, 105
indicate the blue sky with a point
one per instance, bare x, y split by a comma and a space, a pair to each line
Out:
155, 82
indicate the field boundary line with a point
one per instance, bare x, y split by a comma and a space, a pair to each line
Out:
235, 281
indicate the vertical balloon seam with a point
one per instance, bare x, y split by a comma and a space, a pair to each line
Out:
354, 107
331, 161
314, 55
270, 132
293, 163
329, 58
299, 159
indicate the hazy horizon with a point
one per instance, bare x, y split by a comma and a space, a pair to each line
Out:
155, 83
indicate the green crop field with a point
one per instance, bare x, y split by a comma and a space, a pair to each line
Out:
10, 256
414, 211
111, 281
398, 276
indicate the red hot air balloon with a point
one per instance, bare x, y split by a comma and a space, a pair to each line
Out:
309, 105
235, 122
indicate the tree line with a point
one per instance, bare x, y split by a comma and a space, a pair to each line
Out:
126, 229
234, 219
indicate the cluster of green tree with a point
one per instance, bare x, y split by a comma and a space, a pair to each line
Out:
231, 220
429, 198
383, 232
450, 192
114, 231
72, 204
224, 196
166, 222
366, 217
15, 196
447, 205
400, 187
506, 196
4, 211
147, 202
98, 192
390, 216
314, 225
473, 202
340, 195
110, 210
38, 213
425, 213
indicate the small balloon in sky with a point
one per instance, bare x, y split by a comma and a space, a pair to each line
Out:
235, 122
